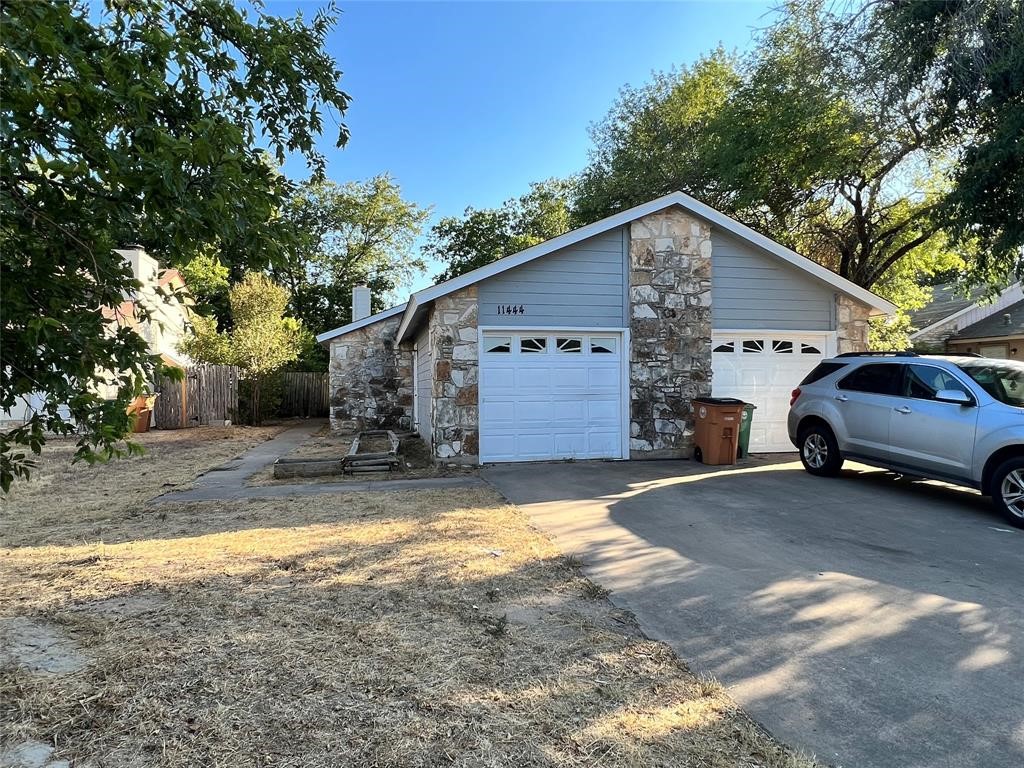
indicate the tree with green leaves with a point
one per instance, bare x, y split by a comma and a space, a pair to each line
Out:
657, 138
152, 122
359, 233
965, 61
262, 339
801, 140
483, 235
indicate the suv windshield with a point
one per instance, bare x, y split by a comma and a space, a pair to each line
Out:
1003, 379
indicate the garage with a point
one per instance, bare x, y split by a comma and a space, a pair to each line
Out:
548, 395
764, 368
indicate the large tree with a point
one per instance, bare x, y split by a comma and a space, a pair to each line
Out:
136, 122
482, 235
349, 234
966, 60
804, 140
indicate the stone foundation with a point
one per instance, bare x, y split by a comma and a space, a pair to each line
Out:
670, 331
851, 325
370, 379
455, 413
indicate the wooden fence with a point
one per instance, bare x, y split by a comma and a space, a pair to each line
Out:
207, 395
304, 394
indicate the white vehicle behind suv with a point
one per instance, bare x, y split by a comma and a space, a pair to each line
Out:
951, 418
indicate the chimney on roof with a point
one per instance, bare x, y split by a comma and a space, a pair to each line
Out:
360, 302
144, 267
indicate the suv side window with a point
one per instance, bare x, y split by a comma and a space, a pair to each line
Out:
821, 371
877, 378
924, 381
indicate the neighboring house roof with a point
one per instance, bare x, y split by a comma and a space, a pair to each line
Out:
342, 330
948, 304
996, 325
946, 300
419, 301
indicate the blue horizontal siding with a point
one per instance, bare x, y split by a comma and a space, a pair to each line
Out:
753, 289
579, 286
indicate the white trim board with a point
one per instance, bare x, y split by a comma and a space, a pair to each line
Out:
879, 305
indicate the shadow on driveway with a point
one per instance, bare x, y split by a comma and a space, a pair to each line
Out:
871, 620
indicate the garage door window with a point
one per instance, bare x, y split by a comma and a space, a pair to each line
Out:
533, 344
729, 346
570, 344
602, 345
809, 349
499, 344
782, 346
753, 346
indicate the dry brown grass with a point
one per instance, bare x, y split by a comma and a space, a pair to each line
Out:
60, 492
411, 629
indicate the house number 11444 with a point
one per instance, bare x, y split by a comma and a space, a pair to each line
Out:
511, 309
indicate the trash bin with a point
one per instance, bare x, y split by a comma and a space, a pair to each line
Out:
743, 449
717, 429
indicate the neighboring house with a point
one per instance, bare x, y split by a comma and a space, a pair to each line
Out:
593, 344
998, 335
166, 326
943, 324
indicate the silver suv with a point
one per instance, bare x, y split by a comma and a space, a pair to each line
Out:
953, 418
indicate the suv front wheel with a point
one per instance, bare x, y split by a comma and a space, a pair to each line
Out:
819, 451
1008, 490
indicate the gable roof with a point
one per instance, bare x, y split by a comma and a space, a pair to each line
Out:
343, 329
950, 306
995, 325
946, 300
420, 301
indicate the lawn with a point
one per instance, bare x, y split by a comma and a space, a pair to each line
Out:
426, 628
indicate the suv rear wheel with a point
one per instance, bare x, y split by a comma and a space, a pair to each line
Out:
819, 451
1008, 490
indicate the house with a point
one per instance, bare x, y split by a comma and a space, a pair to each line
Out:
593, 344
952, 322
165, 327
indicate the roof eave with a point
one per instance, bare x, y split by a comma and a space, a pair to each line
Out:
328, 336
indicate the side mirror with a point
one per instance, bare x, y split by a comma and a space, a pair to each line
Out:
955, 396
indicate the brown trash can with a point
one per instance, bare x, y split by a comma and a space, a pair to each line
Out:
717, 431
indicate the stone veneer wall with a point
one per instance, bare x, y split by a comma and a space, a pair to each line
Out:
670, 331
851, 325
371, 379
455, 413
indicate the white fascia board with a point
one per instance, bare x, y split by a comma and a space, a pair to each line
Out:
877, 303
342, 330
993, 305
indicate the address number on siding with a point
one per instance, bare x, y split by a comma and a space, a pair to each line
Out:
511, 309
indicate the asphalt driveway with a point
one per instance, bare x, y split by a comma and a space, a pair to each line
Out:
870, 620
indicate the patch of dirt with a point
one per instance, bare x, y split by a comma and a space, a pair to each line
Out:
30, 754
123, 606
39, 647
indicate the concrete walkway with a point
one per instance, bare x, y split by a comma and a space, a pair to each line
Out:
228, 481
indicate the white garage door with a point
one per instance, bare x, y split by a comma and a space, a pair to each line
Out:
551, 395
764, 369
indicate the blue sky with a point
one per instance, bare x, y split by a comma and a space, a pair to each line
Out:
467, 103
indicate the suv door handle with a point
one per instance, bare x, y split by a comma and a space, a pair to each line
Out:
842, 398
904, 409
